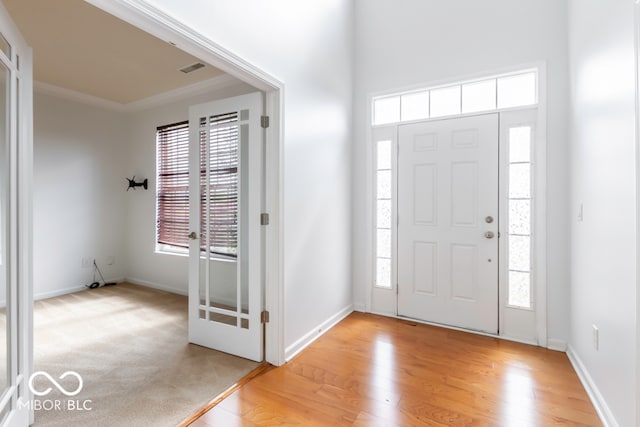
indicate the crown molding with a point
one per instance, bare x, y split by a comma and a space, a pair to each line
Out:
73, 95
186, 92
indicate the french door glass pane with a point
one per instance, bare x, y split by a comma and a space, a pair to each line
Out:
221, 202
5, 46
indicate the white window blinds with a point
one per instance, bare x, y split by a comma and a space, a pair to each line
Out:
219, 155
172, 216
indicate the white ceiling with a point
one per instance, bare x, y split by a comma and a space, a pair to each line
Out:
79, 47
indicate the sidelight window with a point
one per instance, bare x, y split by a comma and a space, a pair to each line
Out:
384, 204
519, 217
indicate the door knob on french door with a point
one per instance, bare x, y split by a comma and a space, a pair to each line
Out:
193, 235
489, 235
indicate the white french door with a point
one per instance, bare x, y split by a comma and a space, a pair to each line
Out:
225, 284
448, 191
16, 155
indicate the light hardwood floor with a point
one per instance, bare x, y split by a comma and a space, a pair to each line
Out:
376, 371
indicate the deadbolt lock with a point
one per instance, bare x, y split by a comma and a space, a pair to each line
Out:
193, 235
488, 219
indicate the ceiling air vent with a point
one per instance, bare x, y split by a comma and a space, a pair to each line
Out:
192, 67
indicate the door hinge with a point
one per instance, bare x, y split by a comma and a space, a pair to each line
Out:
264, 219
264, 317
264, 121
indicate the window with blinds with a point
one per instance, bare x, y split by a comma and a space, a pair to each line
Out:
218, 185
172, 217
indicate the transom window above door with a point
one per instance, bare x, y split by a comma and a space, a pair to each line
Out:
517, 89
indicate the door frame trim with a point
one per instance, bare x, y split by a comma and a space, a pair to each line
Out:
163, 26
636, 52
19, 288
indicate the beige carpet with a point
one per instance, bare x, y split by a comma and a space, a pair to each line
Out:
129, 344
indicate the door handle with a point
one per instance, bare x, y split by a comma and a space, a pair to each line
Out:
193, 235
489, 235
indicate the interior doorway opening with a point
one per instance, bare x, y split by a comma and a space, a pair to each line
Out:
148, 21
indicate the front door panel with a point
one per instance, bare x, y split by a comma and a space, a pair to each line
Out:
448, 222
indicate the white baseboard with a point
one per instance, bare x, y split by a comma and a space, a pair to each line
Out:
556, 344
58, 292
65, 291
158, 286
295, 348
605, 414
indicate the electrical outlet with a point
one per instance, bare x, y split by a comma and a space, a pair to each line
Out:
596, 337
87, 262
111, 260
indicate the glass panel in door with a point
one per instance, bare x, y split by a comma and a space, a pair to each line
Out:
220, 224
5, 169
225, 257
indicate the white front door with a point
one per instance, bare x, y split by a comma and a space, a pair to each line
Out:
225, 295
448, 222
16, 156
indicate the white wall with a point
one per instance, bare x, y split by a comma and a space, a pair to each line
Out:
79, 193
603, 246
81, 207
411, 42
308, 46
145, 266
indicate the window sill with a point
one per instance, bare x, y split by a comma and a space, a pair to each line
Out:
170, 252
167, 250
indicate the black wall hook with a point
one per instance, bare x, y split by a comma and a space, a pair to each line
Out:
133, 184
